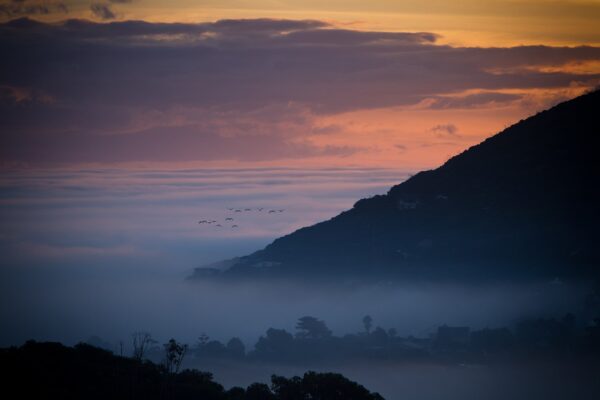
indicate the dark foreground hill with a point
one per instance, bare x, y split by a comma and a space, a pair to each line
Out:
53, 371
521, 204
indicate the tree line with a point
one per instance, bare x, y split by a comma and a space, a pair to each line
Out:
314, 341
52, 370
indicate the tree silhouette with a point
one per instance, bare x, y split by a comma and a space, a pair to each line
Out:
277, 343
141, 342
315, 385
236, 393
174, 355
51, 370
312, 328
203, 339
236, 348
259, 391
212, 348
367, 323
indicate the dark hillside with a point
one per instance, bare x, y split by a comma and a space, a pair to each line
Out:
523, 203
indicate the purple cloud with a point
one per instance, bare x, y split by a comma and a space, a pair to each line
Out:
133, 87
445, 130
102, 11
19, 8
472, 100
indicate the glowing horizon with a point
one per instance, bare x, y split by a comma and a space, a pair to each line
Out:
467, 23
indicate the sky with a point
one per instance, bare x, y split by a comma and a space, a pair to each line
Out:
393, 84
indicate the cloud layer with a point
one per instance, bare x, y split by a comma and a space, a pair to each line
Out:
20, 8
80, 91
73, 215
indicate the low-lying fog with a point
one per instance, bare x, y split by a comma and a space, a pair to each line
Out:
72, 305
106, 253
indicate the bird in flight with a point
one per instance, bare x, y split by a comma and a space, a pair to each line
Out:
229, 219
234, 226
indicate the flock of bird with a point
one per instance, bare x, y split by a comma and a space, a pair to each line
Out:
237, 210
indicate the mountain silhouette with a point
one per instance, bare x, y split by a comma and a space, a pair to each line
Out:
521, 204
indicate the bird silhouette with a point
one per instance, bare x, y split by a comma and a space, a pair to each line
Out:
234, 226
228, 219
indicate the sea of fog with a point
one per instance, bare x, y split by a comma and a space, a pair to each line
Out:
106, 252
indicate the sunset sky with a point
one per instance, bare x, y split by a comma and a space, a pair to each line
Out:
122, 122
401, 84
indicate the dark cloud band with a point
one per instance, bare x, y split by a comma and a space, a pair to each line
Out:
75, 80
